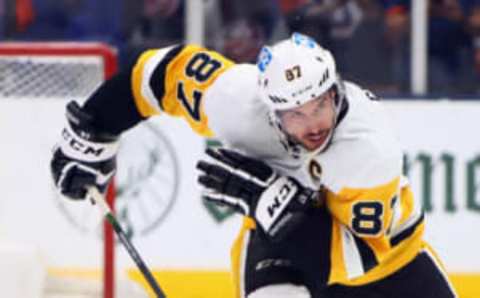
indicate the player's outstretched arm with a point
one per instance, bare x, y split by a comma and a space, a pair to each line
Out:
277, 203
170, 81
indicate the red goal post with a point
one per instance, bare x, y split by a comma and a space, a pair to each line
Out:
61, 69
64, 49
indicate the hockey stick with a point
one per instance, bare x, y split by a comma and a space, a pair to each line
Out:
98, 199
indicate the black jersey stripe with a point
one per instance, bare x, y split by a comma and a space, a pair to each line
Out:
406, 233
369, 260
157, 80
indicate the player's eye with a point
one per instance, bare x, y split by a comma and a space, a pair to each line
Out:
322, 104
297, 115
293, 116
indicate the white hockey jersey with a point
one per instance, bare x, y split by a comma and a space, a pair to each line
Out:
377, 225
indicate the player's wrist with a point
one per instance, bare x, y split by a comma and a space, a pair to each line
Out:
82, 141
306, 196
83, 124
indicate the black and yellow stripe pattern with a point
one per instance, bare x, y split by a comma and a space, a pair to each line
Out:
174, 80
238, 255
376, 232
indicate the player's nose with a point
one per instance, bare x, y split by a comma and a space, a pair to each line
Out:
314, 125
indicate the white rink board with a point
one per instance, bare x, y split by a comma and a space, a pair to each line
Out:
436, 128
188, 236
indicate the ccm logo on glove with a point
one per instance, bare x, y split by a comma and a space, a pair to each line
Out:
274, 200
80, 146
284, 195
277, 203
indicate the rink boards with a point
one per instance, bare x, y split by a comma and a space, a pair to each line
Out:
188, 241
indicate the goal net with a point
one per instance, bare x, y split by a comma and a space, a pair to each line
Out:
36, 81
53, 70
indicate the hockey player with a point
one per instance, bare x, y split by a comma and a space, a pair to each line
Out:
316, 170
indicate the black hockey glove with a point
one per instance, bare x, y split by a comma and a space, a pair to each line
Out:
83, 157
277, 203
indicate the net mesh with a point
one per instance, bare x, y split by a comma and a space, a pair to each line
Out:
61, 71
49, 77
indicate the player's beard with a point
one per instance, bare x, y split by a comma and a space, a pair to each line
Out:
313, 141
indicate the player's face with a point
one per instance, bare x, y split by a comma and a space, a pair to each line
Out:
311, 123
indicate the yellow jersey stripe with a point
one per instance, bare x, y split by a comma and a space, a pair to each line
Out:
338, 271
144, 106
148, 79
398, 257
237, 255
407, 205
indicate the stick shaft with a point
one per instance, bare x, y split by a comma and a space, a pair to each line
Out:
97, 197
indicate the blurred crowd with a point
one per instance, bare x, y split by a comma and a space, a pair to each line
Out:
369, 38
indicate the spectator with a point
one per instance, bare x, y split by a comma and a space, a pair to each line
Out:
94, 20
242, 40
23, 13
152, 24
474, 30
15, 17
323, 20
353, 30
69, 20
52, 20
264, 13
361, 47
246, 26
448, 39
3, 18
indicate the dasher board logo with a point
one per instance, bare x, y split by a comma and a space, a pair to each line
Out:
146, 185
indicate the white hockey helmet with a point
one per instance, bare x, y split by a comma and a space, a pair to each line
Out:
295, 71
